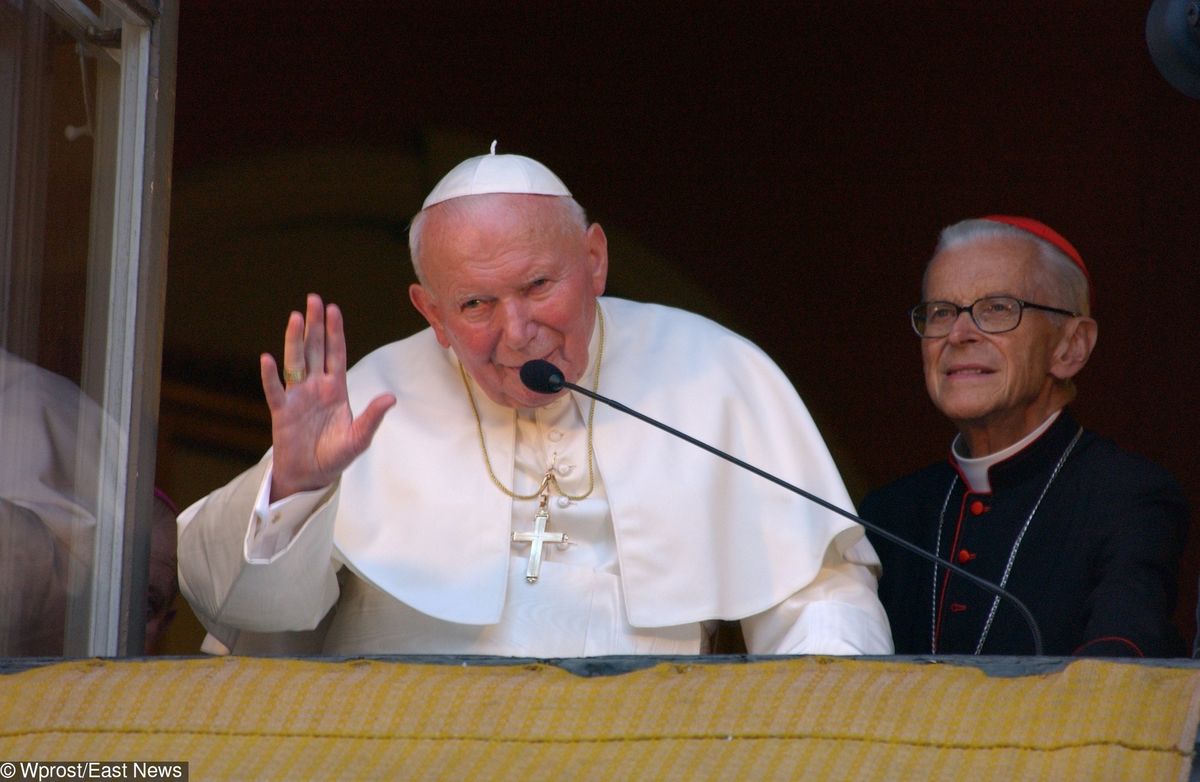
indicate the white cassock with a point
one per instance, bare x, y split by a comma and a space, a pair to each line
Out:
413, 546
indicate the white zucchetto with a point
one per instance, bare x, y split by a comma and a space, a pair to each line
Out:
494, 173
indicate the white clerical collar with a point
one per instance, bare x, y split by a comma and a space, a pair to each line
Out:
975, 470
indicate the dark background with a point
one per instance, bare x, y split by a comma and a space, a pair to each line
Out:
782, 167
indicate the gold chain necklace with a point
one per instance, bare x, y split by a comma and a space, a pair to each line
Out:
549, 480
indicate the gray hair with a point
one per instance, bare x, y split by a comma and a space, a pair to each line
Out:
1067, 281
572, 217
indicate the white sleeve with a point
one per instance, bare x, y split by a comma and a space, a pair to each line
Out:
838, 612
237, 571
275, 525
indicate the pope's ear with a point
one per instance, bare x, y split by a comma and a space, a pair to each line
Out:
597, 251
1074, 348
428, 308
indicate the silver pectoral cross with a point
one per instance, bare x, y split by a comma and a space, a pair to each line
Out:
538, 538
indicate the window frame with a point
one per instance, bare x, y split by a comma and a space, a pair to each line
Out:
133, 44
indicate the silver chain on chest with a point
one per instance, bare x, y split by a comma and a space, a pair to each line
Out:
1012, 555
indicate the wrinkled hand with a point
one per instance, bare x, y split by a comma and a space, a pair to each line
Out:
313, 432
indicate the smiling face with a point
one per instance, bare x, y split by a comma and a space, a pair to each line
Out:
999, 387
510, 278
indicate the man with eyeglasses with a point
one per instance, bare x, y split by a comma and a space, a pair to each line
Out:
1087, 535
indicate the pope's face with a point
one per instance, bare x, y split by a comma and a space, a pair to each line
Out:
509, 281
998, 386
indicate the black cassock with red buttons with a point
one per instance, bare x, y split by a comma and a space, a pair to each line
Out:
1097, 552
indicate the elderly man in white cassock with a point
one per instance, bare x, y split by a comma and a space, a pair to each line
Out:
426, 501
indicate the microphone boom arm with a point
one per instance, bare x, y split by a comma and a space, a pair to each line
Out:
881, 532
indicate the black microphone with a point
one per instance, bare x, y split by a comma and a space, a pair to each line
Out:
542, 376
545, 378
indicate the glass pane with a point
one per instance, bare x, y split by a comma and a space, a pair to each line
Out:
56, 99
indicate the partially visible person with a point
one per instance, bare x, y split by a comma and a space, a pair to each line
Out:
1086, 534
35, 584
426, 501
163, 578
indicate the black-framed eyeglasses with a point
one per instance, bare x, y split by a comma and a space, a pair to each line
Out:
991, 314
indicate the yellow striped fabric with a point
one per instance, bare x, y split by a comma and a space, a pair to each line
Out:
804, 718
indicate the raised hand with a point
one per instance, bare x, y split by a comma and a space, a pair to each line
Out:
313, 433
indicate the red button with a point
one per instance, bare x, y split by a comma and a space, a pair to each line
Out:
957, 608
965, 556
977, 507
